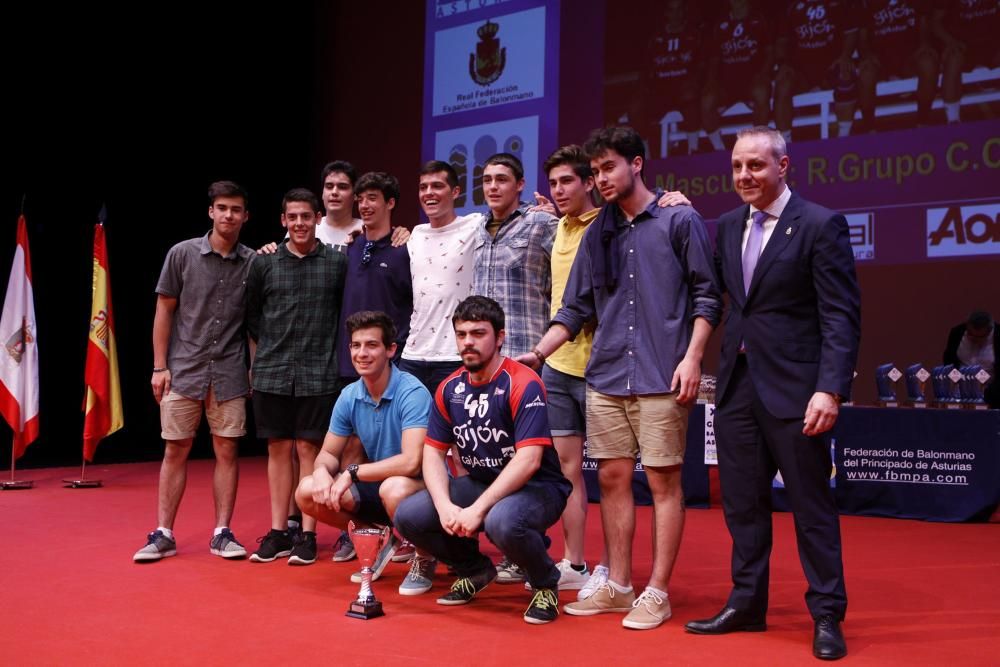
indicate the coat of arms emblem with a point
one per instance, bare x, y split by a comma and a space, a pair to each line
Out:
487, 63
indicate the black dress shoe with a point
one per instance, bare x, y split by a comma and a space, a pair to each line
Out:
828, 640
727, 620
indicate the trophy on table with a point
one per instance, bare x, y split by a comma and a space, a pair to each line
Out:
916, 386
974, 384
886, 377
943, 382
953, 385
367, 543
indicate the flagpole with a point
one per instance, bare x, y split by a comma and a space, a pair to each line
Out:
12, 483
100, 314
15, 484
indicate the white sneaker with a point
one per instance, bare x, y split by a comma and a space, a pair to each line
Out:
597, 579
569, 579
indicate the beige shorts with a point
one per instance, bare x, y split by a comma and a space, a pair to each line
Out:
620, 427
180, 416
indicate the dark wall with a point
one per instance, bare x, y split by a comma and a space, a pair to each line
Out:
370, 87
142, 112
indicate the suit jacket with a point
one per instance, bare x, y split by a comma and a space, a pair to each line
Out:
800, 322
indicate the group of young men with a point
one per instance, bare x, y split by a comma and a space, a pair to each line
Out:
764, 52
447, 431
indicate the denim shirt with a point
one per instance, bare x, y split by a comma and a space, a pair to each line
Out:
666, 279
514, 269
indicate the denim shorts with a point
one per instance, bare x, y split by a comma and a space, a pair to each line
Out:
567, 397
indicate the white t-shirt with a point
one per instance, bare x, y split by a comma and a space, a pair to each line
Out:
335, 237
442, 263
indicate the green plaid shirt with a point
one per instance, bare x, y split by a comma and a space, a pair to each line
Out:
293, 306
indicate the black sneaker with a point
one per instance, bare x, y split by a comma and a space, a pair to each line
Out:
304, 551
544, 607
276, 544
463, 590
294, 529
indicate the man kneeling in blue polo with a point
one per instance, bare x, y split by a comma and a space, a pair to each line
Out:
388, 410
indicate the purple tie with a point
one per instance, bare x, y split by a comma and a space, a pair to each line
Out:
754, 242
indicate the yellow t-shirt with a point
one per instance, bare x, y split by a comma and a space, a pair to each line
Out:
572, 357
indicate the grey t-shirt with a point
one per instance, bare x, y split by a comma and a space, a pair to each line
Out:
208, 338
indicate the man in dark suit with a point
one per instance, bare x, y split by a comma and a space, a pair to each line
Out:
790, 347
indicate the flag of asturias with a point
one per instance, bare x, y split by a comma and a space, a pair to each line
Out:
19, 357
103, 403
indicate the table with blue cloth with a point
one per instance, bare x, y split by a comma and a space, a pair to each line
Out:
908, 463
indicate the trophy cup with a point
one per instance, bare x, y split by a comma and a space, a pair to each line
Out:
886, 377
367, 542
916, 386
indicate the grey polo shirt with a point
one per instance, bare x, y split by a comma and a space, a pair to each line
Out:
208, 337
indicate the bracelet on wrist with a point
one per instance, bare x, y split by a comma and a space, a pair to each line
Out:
537, 353
160, 370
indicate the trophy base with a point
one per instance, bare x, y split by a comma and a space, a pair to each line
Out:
365, 610
83, 483
17, 485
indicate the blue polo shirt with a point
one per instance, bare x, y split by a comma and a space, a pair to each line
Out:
405, 404
382, 283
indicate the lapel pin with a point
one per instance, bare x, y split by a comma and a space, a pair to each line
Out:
788, 232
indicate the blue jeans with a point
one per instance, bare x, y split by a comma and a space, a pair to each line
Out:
516, 525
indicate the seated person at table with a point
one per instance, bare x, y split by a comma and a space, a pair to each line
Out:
976, 342
387, 409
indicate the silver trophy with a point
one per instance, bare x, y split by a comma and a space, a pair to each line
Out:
367, 543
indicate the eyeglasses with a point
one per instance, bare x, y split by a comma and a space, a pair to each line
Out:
366, 255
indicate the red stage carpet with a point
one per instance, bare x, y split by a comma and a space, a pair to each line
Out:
920, 593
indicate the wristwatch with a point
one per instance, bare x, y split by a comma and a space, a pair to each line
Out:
352, 470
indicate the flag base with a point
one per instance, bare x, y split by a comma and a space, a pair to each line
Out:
82, 483
16, 484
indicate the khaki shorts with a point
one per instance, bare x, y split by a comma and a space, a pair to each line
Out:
620, 427
180, 416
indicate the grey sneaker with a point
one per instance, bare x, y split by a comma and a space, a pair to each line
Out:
157, 546
343, 548
420, 579
383, 558
509, 573
224, 544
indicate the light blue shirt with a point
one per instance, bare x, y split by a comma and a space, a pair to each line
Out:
405, 404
